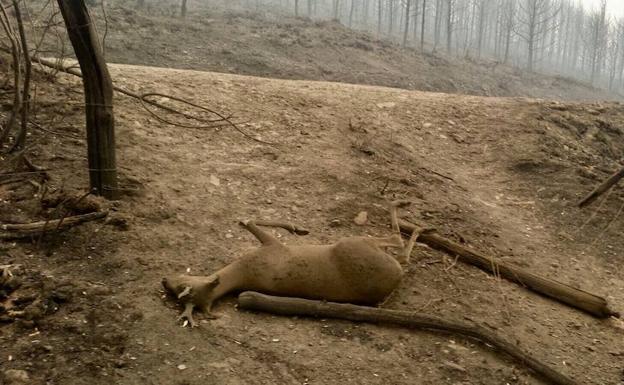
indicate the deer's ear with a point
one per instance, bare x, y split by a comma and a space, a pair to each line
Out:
213, 283
185, 292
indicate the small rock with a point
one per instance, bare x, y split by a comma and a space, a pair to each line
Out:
361, 218
427, 125
182, 367
16, 377
454, 366
386, 105
335, 223
215, 181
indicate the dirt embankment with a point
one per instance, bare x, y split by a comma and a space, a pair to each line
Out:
501, 175
280, 46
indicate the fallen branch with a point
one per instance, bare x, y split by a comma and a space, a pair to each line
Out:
590, 303
303, 307
602, 188
61, 221
14, 231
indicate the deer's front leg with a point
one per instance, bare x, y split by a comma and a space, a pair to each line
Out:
188, 314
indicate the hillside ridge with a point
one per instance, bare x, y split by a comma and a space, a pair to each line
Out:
268, 45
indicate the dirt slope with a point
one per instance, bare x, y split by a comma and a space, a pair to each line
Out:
280, 46
512, 169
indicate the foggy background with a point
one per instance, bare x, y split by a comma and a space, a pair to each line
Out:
614, 7
581, 40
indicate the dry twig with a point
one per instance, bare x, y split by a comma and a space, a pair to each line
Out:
15, 231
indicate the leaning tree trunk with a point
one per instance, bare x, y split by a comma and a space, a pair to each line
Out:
98, 89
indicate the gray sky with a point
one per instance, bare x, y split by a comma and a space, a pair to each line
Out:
614, 7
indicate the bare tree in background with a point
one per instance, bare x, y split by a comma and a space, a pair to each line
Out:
379, 16
481, 20
422, 26
352, 13
450, 15
408, 7
557, 36
535, 18
509, 23
598, 41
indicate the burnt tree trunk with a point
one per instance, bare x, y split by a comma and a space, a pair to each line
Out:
571, 296
20, 140
98, 89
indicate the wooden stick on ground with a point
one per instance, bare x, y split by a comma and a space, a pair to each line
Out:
602, 188
303, 307
14, 231
590, 303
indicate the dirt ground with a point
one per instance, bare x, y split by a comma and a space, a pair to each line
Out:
501, 175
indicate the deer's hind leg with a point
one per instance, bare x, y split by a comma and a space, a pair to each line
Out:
293, 229
406, 251
264, 237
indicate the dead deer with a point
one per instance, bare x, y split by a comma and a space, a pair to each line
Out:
353, 270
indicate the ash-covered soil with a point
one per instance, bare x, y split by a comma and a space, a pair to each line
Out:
501, 175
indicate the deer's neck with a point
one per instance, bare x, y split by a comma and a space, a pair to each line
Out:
231, 278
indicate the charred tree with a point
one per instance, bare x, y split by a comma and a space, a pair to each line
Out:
20, 140
17, 73
98, 89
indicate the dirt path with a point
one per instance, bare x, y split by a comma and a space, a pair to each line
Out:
340, 147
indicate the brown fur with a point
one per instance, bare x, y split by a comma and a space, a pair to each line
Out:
354, 269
